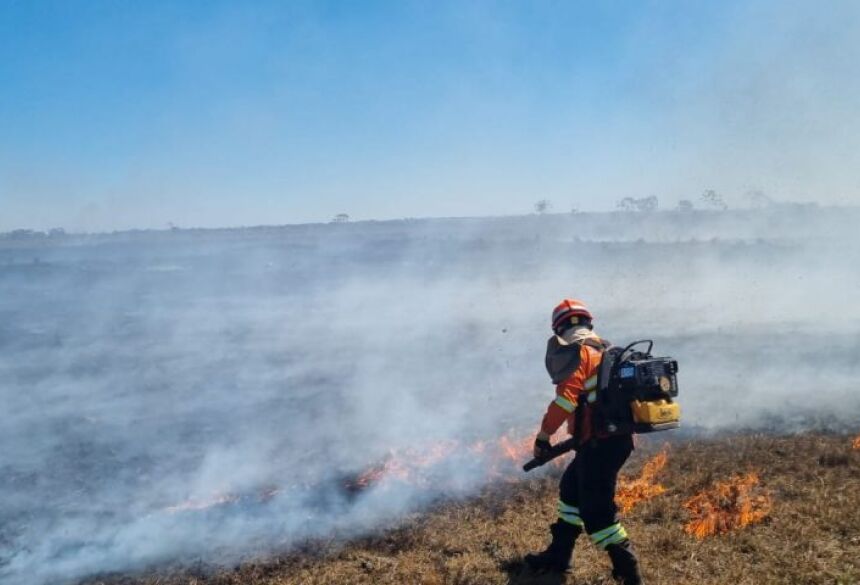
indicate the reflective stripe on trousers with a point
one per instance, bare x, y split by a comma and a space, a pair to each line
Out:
610, 535
569, 514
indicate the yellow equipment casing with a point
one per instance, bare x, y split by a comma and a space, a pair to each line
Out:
655, 415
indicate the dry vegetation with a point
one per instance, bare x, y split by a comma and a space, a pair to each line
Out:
810, 535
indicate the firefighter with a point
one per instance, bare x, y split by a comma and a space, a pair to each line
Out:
587, 488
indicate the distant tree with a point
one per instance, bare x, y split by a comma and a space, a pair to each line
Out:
25, 234
626, 204
758, 199
643, 204
650, 203
543, 206
713, 199
685, 205
56, 232
340, 218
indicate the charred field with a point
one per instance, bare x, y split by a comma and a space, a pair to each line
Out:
806, 533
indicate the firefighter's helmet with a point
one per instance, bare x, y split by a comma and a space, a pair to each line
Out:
566, 309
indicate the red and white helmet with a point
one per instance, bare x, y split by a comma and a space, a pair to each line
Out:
565, 310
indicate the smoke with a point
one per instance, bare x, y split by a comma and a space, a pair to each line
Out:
773, 109
147, 375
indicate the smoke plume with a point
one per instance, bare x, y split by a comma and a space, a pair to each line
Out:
149, 375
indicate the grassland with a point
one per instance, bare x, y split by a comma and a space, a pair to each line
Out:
811, 534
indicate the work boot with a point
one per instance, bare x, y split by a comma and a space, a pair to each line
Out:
557, 556
625, 565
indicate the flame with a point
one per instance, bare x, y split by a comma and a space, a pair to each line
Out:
856, 443
515, 449
500, 459
728, 505
402, 465
631, 492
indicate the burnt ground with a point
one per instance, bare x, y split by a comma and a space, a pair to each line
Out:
811, 535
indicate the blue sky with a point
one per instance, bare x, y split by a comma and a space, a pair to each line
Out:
135, 114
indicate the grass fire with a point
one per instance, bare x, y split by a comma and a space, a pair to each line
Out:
291, 426
728, 505
691, 524
429, 293
500, 460
631, 492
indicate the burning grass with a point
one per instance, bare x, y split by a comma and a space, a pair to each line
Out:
631, 492
856, 444
500, 458
728, 505
405, 466
810, 535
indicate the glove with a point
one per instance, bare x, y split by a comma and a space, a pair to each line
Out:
542, 447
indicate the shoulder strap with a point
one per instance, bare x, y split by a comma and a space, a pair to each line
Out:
598, 344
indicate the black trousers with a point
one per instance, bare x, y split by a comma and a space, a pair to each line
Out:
587, 488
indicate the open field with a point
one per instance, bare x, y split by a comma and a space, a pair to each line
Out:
809, 536
200, 397
282, 289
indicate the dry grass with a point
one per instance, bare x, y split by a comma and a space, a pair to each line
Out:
812, 535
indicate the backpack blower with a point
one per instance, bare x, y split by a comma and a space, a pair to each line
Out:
635, 394
636, 391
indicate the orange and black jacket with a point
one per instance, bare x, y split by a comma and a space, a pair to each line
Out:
573, 369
